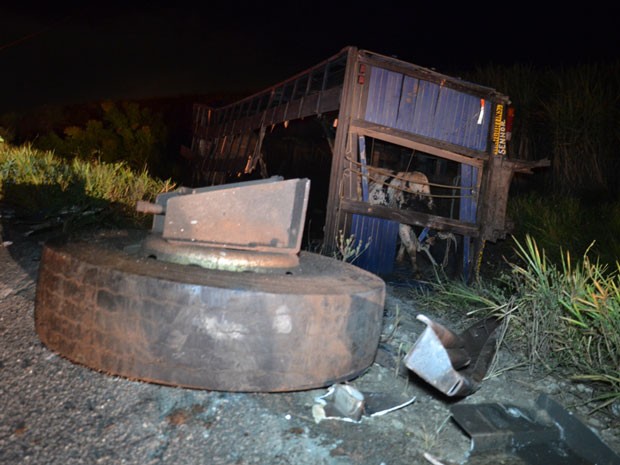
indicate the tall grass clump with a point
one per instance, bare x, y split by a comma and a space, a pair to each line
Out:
591, 315
563, 318
39, 185
570, 315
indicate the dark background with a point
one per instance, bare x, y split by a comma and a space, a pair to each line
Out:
64, 53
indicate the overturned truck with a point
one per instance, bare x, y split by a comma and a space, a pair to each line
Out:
380, 120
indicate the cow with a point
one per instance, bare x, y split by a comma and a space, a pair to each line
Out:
405, 189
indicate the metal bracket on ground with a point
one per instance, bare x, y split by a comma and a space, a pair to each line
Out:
453, 363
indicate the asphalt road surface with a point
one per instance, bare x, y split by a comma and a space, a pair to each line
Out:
56, 412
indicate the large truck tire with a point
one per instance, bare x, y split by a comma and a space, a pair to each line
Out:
100, 305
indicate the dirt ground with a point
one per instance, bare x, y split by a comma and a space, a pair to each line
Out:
56, 412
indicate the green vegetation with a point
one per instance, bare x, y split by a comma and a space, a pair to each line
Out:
349, 248
123, 132
564, 318
40, 186
563, 314
568, 115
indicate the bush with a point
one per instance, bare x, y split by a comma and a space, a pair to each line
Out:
125, 133
38, 184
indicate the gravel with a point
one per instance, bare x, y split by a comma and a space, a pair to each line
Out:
57, 412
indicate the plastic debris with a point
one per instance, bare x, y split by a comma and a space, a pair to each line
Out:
545, 435
345, 403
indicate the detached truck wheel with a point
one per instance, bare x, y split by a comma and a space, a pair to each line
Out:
111, 310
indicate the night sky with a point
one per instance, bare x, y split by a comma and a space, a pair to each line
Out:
77, 53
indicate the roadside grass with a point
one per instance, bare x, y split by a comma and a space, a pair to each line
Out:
39, 187
563, 316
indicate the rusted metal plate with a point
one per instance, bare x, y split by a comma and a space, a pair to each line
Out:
266, 216
162, 199
247, 226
